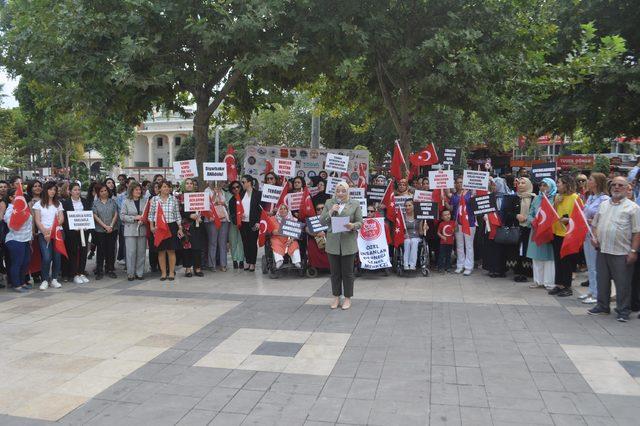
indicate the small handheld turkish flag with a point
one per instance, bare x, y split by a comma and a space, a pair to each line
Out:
389, 201
578, 230
463, 216
21, 212
57, 238
230, 160
399, 229
306, 205
162, 227
542, 223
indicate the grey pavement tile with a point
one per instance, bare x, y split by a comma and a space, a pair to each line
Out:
183, 390
118, 390
369, 370
308, 379
475, 416
345, 368
169, 356
317, 423
261, 380
296, 388
517, 403
404, 390
507, 388
363, 389
548, 381
443, 374
326, 409
216, 399
243, 401
501, 415
443, 357
190, 358
352, 353
573, 403
355, 411
201, 376
621, 407
6, 420
574, 382
374, 354
466, 359
444, 394
469, 376
444, 415
228, 419
599, 421
632, 367
385, 413
84, 413
336, 387
285, 349
472, 396
141, 393
148, 371
236, 379
568, 420
197, 418
114, 414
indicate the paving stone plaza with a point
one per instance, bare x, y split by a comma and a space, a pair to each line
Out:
239, 348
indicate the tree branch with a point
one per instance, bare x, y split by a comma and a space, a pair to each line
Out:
388, 100
228, 85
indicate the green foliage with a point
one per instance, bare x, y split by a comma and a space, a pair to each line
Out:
602, 164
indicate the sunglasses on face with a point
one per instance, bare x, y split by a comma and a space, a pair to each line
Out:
371, 211
235, 187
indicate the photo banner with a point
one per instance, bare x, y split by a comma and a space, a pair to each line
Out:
309, 161
373, 250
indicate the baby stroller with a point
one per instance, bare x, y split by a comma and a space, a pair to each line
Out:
317, 258
269, 262
422, 264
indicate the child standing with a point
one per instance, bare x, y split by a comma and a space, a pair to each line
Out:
446, 232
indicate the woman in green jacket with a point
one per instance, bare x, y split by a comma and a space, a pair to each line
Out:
342, 246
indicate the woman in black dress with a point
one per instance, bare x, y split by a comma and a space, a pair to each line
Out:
195, 237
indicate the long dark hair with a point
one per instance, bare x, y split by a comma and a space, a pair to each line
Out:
44, 198
30, 185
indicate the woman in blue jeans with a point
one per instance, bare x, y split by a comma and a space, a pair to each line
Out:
45, 212
18, 245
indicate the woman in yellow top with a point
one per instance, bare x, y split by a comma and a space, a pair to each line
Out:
564, 204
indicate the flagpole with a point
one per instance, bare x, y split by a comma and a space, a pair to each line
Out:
583, 217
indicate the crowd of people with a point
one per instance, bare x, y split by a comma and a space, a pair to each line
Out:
126, 229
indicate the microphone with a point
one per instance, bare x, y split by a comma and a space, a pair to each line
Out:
340, 203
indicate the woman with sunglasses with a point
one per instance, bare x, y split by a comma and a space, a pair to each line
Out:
244, 210
235, 240
45, 212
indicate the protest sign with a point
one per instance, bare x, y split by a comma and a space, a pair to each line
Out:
483, 204
426, 210
196, 202
80, 219
401, 200
541, 171
313, 190
359, 195
337, 163
291, 228
270, 193
314, 224
419, 195
185, 169
332, 181
372, 244
474, 180
284, 167
293, 200
375, 193
214, 171
441, 179
450, 156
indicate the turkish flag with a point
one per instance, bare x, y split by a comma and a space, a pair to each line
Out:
162, 227
389, 201
306, 205
283, 195
438, 197
398, 229
578, 229
542, 223
239, 210
494, 223
145, 217
397, 161
362, 175
413, 171
268, 167
58, 238
21, 212
232, 169
426, 157
463, 216
212, 214
264, 227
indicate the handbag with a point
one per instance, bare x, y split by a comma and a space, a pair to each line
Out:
508, 235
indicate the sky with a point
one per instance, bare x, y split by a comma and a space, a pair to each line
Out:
8, 86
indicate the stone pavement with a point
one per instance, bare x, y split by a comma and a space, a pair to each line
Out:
239, 348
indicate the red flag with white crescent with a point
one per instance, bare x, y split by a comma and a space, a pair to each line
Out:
262, 231
230, 160
306, 205
162, 227
57, 237
389, 201
426, 157
21, 212
362, 175
576, 232
463, 216
397, 161
543, 221
239, 210
398, 229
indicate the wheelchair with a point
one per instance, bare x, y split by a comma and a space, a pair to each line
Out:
269, 263
422, 262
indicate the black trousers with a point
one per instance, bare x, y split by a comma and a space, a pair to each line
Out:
635, 288
342, 274
106, 252
249, 243
192, 258
77, 253
564, 266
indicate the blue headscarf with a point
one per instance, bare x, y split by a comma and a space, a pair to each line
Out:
552, 188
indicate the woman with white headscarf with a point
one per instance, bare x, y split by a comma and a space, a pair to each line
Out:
522, 269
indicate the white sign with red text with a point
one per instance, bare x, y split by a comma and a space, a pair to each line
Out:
284, 167
196, 202
185, 169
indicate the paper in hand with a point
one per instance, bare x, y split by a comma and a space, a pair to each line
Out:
338, 224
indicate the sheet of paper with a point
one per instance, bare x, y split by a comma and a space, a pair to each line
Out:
338, 224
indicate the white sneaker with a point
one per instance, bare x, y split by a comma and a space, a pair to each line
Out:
298, 265
84, 279
467, 273
584, 296
44, 285
55, 283
590, 300
279, 264
459, 271
78, 280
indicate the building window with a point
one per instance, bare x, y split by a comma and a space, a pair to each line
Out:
159, 141
177, 140
160, 162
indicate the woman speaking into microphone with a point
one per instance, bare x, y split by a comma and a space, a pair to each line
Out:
343, 217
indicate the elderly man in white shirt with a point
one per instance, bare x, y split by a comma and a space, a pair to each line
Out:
616, 236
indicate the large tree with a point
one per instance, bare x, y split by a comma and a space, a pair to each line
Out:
124, 58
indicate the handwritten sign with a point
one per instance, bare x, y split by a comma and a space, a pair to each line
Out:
332, 181
270, 193
81, 219
474, 180
422, 196
293, 200
541, 171
450, 156
426, 210
483, 204
441, 179
196, 202
314, 225
283, 167
337, 163
214, 171
185, 169
291, 228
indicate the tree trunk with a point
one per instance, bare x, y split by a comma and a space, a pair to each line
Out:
201, 134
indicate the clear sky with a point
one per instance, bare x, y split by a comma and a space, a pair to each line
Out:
8, 86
